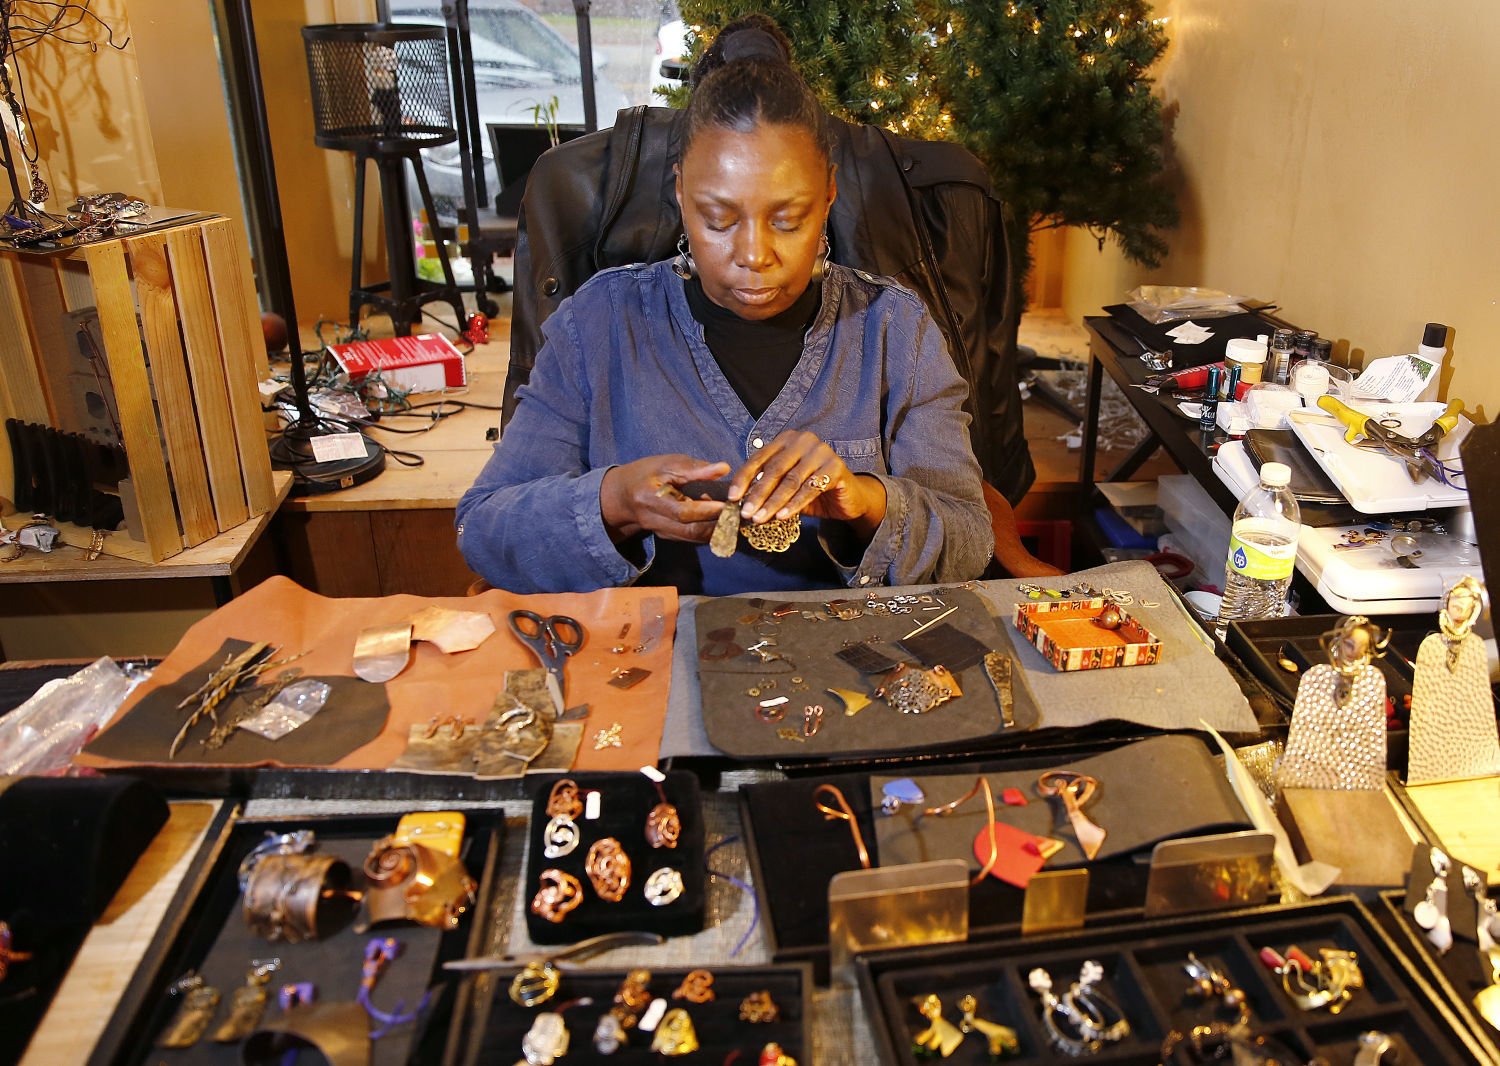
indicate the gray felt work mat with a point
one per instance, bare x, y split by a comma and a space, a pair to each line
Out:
1156, 789
1187, 688
733, 681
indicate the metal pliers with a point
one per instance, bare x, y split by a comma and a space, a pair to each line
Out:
1415, 453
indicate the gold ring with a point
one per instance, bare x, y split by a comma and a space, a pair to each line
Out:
819, 482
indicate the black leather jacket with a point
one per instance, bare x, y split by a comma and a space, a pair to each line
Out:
922, 212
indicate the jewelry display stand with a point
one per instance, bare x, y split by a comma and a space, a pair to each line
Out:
1453, 732
1337, 736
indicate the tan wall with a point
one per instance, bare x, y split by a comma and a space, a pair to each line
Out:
1338, 157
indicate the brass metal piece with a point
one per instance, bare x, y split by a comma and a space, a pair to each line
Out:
418, 883
1002, 1039
1075, 790
725, 537
248, 1003
696, 987
758, 1008
853, 702
608, 738
675, 1035
535, 984
1218, 872
382, 652
1055, 900
560, 893
997, 668
896, 906
940, 1035
608, 868
777, 535
199, 1001
296, 897
663, 826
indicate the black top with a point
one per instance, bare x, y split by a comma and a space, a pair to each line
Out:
756, 357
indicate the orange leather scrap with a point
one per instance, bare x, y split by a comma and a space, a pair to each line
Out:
282, 612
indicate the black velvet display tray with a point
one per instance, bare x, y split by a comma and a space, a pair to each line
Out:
1459, 973
717, 1024
625, 800
66, 846
810, 650
210, 936
1143, 967
794, 853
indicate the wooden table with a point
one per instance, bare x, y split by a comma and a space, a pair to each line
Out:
394, 534
218, 559
102, 970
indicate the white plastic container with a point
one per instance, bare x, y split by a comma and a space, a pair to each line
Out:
1249, 356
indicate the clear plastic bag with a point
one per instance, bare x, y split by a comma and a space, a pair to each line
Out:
1159, 304
292, 707
43, 734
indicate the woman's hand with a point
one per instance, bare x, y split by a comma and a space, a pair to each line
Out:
797, 473
641, 497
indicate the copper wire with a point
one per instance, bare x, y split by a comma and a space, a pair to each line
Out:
846, 813
981, 783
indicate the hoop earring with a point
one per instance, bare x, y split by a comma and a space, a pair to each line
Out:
820, 265
683, 266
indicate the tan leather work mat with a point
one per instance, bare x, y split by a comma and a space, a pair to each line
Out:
296, 620
808, 638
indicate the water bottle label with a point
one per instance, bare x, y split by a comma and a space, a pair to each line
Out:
1262, 562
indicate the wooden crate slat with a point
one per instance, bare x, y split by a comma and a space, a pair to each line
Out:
20, 378
240, 336
174, 394
21, 393
127, 369
206, 366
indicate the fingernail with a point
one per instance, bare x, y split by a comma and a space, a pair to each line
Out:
784, 513
747, 511
762, 515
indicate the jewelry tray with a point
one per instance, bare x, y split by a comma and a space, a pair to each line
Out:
1143, 967
625, 800
1459, 974
206, 932
500, 1023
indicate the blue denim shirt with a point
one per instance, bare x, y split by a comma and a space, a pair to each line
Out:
624, 373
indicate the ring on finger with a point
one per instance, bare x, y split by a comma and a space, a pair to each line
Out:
819, 482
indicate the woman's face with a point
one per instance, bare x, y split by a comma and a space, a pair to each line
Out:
753, 207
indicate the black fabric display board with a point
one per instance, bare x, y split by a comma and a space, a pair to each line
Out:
215, 941
1143, 974
1157, 789
353, 715
794, 853
717, 1023
66, 845
624, 802
1128, 330
809, 649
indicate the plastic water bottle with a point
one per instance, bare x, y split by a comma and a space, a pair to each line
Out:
1262, 550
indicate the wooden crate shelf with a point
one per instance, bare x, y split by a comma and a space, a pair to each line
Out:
180, 335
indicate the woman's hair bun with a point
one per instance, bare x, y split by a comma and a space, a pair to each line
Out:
753, 43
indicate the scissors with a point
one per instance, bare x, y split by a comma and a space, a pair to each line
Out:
1416, 453
552, 639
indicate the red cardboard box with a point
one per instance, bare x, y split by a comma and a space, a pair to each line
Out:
424, 363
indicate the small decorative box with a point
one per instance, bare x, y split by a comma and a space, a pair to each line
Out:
1067, 635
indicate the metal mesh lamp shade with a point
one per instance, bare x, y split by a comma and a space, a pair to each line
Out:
380, 91
379, 86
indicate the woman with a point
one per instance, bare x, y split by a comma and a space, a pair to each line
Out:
824, 396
